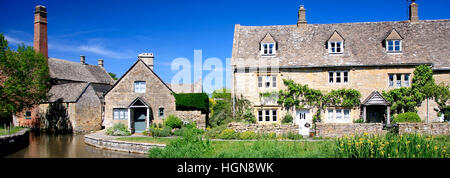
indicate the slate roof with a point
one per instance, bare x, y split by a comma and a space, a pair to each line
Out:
69, 92
427, 41
74, 71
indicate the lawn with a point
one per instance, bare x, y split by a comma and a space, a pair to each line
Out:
4, 131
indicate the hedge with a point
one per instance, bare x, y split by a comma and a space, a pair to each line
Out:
407, 117
192, 101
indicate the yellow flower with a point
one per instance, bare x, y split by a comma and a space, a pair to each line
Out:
418, 146
365, 134
342, 145
435, 147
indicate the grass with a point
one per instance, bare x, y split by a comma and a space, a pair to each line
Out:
4, 131
158, 140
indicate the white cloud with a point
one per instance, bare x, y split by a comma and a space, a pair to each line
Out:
17, 41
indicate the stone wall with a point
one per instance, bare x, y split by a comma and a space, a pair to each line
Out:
14, 142
132, 147
196, 116
264, 128
424, 128
341, 129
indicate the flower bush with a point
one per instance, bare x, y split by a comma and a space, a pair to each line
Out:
228, 134
389, 146
248, 135
118, 129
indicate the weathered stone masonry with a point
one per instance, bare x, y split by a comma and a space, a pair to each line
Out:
424, 128
342, 129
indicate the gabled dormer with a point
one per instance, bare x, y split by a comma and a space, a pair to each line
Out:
268, 46
335, 43
393, 42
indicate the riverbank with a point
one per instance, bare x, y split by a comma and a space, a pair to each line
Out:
101, 140
14, 142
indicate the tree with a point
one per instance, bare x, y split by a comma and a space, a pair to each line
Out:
441, 94
113, 75
221, 109
24, 77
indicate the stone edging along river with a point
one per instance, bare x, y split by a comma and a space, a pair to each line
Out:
14, 142
101, 140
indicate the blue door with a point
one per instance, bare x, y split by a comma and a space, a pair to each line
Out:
140, 115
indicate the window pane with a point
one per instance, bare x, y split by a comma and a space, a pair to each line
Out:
406, 80
161, 112
391, 80
338, 77
116, 114
267, 115
397, 48
346, 114
330, 77
330, 114
274, 81
267, 81
390, 43
399, 80
338, 114
274, 115
397, 43
345, 77
333, 44
265, 48
260, 81
271, 48
260, 115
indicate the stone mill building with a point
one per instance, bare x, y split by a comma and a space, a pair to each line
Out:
77, 87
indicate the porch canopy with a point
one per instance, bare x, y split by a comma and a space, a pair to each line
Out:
376, 99
138, 103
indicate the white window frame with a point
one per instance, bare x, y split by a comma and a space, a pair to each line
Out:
260, 115
330, 47
393, 46
267, 81
406, 82
399, 83
140, 86
260, 81
120, 114
263, 50
274, 115
332, 115
270, 113
341, 77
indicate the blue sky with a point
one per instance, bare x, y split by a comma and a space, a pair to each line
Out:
118, 30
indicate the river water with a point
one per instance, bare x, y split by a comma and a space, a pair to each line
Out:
66, 146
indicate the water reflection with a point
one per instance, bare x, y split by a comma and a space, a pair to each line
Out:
66, 146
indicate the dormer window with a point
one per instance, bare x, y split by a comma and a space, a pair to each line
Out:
268, 46
335, 43
393, 45
393, 42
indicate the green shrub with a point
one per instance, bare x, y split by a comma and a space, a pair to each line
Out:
287, 119
118, 129
407, 117
214, 132
270, 136
190, 145
182, 131
249, 117
360, 120
160, 132
173, 122
190, 125
293, 136
192, 101
228, 134
248, 135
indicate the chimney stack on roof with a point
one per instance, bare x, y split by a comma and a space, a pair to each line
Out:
100, 62
147, 58
413, 12
83, 60
40, 42
301, 22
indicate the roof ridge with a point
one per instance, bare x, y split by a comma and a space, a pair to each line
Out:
294, 25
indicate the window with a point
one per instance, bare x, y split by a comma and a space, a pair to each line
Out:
120, 114
274, 115
260, 115
338, 114
268, 81
406, 80
268, 49
338, 77
139, 87
399, 80
335, 47
259, 81
393, 45
28, 115
330, 114
391, 80
346, 114
161, 112
267, 115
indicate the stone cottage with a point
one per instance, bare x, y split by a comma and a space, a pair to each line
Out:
139, 97
78, 87
368, 56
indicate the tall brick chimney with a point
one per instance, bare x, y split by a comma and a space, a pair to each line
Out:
40, 30
301, 22
413, 12
147, 58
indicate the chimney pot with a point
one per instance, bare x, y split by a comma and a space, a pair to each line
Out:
83, 59
147, 58
301, 17
413, 12
100, 62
